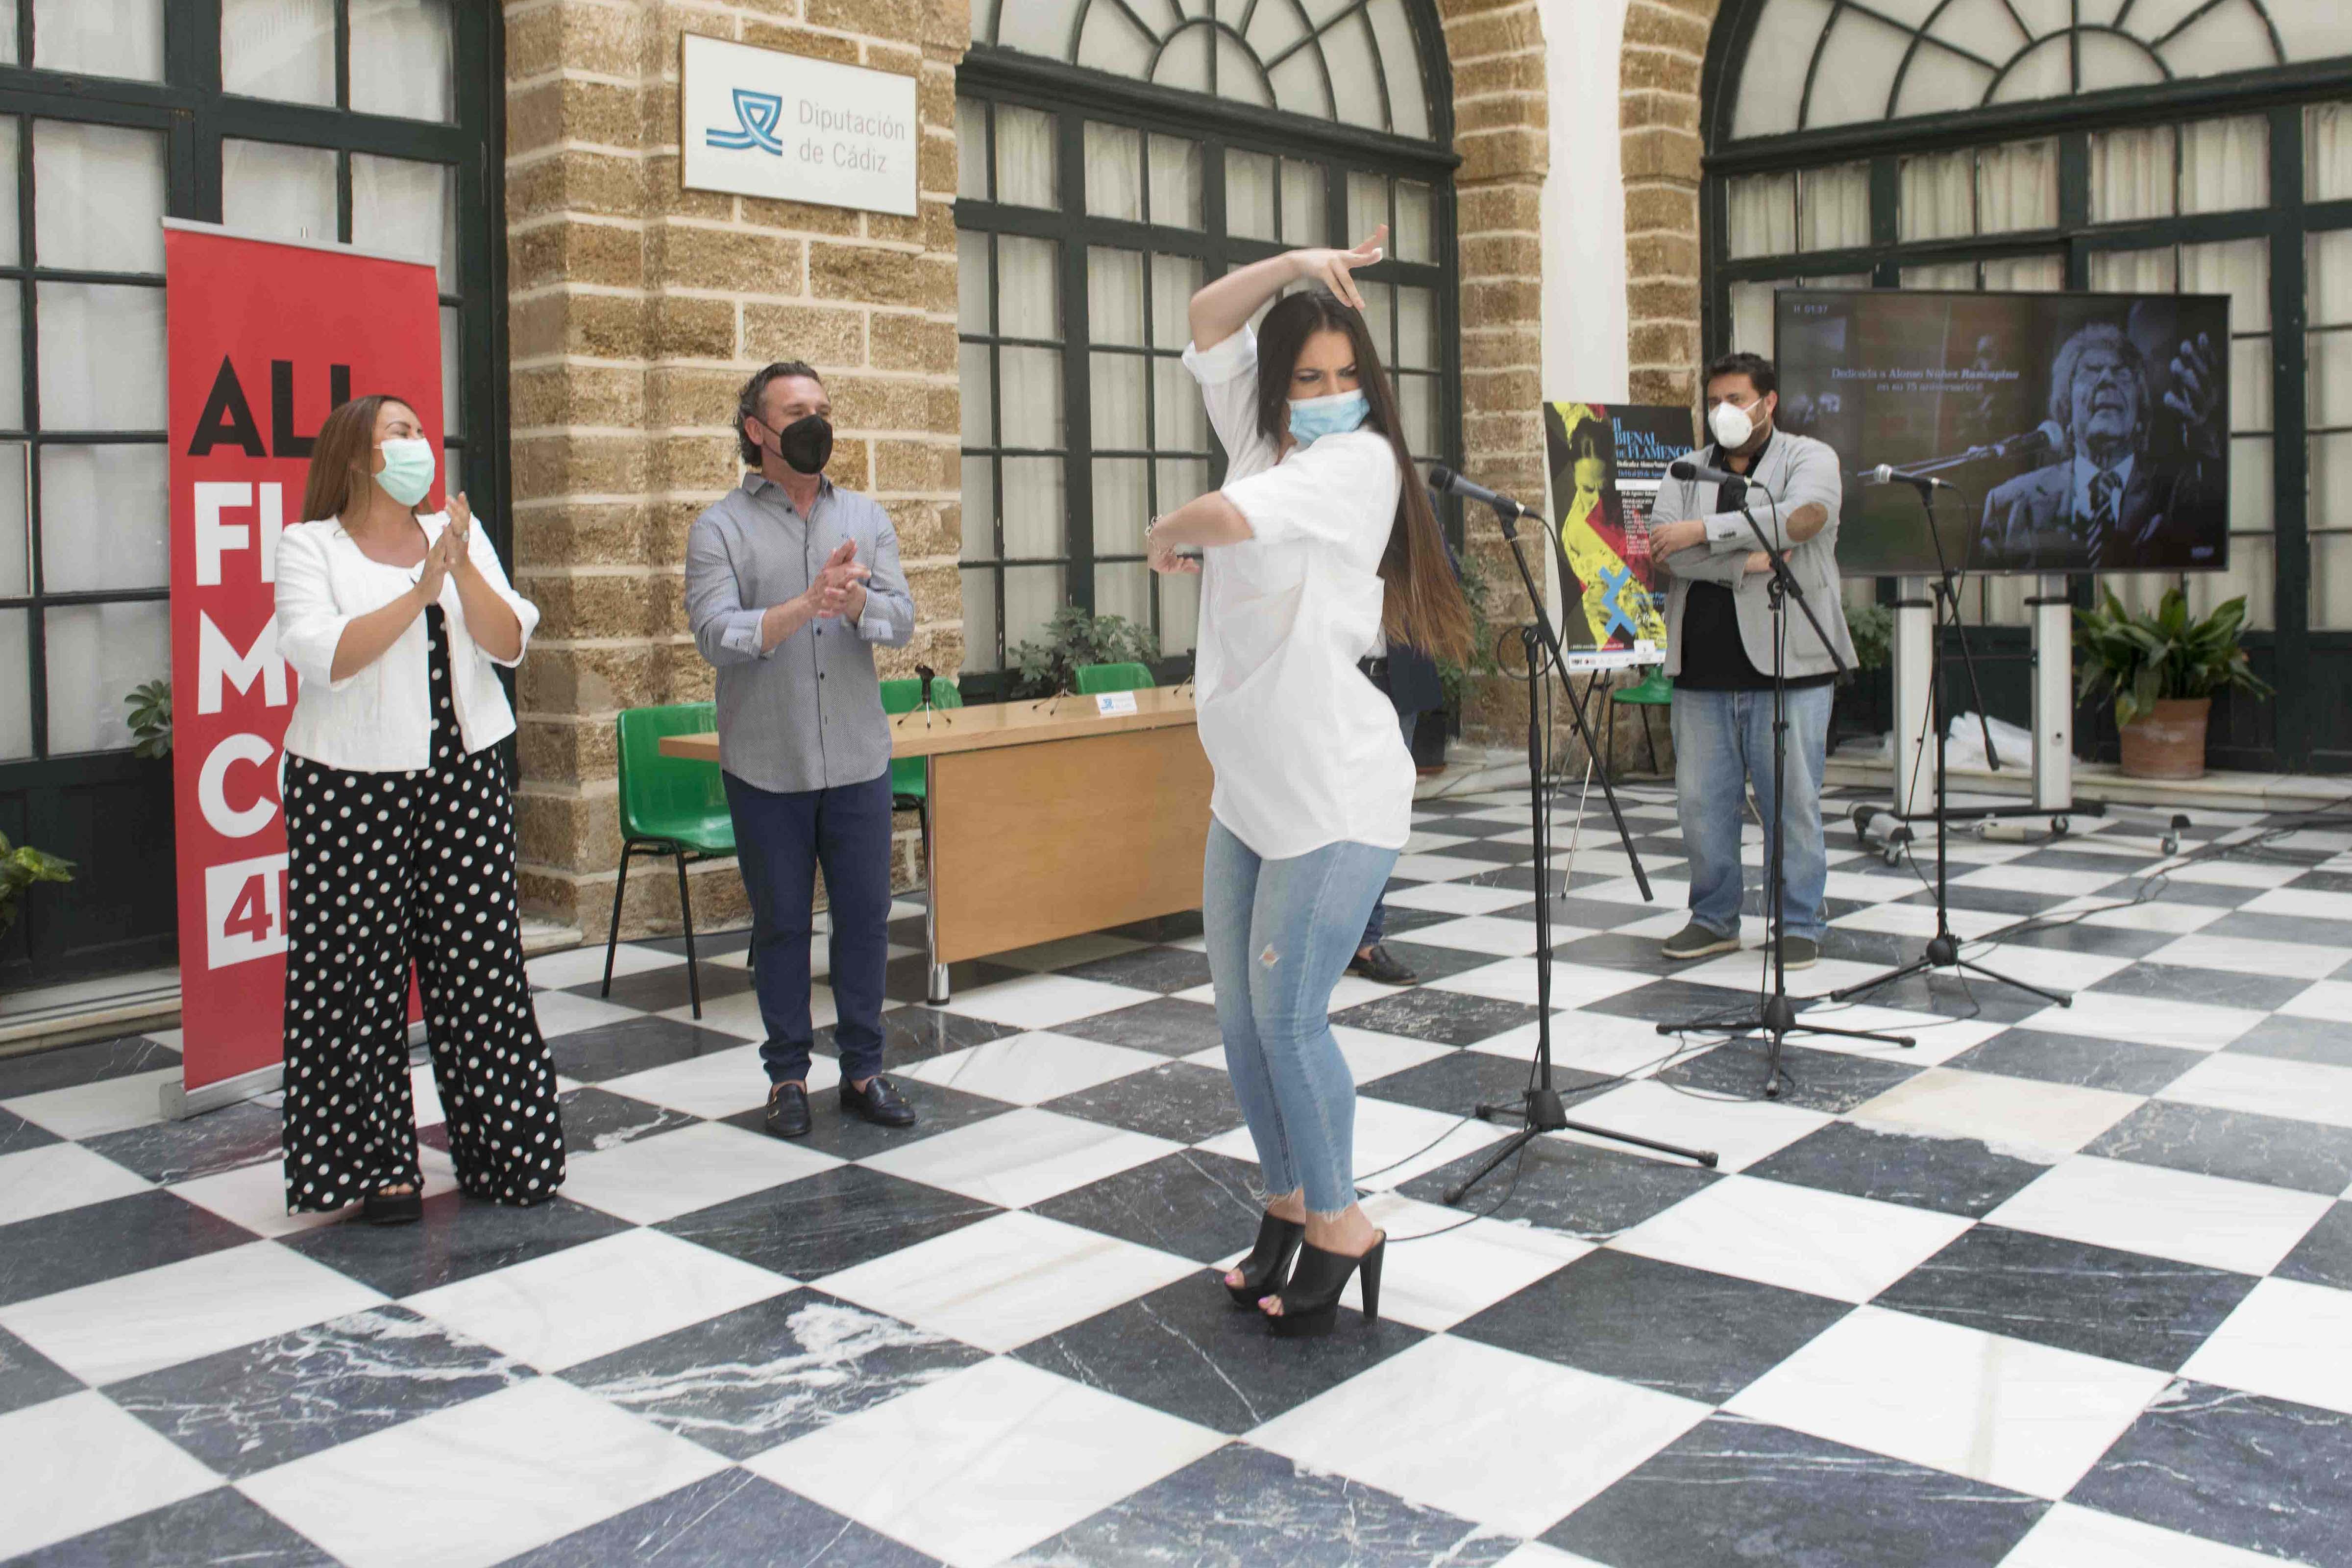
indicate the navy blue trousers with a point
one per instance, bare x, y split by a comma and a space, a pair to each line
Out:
781, 840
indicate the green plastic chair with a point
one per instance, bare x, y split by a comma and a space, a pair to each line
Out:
1094, 678
909, 780
669, 805
1654, 690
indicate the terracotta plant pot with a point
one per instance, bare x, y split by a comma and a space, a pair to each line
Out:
2169, 743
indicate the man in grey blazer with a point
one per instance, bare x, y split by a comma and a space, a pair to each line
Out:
1719, 652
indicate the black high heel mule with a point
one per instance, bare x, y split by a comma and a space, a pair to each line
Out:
1268, 1263
1310, 1302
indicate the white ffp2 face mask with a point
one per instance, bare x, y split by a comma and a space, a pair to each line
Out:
1731, 424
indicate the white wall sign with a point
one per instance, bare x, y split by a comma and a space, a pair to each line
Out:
761, 123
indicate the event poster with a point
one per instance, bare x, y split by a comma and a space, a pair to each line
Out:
265, 337
1606, 461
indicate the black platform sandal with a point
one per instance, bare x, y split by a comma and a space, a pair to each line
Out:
392, 1208
1310, 1302
1268, 1263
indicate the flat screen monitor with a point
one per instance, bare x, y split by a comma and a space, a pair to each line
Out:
2084, 432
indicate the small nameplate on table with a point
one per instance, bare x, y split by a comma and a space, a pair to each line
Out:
1107, 703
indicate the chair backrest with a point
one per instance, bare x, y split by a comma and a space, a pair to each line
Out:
1097, 678
660, 794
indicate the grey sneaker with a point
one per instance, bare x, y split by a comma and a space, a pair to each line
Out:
1798, 952
1694, 941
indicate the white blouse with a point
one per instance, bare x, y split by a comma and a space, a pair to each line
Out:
379, 718
1307, 751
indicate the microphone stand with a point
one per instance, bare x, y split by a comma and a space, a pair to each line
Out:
1776, 1016
1539, 1109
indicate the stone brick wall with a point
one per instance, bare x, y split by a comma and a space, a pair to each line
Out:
1664, 50
636, 309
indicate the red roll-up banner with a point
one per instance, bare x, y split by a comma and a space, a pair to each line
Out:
265, 337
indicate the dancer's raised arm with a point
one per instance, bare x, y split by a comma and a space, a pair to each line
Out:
1222, 307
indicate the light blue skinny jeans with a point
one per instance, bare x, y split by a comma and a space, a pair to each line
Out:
1723, 744
1280, 933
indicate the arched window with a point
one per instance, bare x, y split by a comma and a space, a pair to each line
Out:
2131, 146
1114, 153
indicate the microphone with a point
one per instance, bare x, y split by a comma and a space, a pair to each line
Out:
1444, 479
1888, 474
1699, 473
2043, 437
926, 674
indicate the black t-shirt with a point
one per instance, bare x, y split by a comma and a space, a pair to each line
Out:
1713, 657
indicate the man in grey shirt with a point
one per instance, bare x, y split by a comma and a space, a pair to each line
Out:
790, 584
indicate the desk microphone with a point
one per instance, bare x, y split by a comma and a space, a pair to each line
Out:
1699, 473
1888, 474
1444, 479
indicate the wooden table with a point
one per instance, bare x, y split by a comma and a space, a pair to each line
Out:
1049, 819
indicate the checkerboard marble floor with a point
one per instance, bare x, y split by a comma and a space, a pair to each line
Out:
2056, 1287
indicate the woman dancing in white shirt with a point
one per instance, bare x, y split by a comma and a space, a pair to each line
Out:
1321, 543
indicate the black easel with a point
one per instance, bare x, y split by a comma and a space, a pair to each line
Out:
1539, 1109
1777, 1017
1943, 949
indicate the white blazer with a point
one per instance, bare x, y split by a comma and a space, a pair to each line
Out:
380, 718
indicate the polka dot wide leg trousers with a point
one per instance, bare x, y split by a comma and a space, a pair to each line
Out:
387, 868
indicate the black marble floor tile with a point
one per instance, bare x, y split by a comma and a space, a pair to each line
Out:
908, 979
1443, 1017
1613, 950
1731, 1490
459, 1238
2215, 987
707, 943
2056, 857
1578, 1188
1177, 1100
222, 1139
2303, 929
1833, 1081
1685, 1331
1429, 817
1429, 961
1460, 1081
2324, 1255
1485, 848
2178, 890
2275, 1151
1983, 901
2241, 1469
1880, 949
2122, 1306
2081, 1061
596, 1119
1674, 1001
727, 1520
105, 1240
1591, 914
1187, 1349
1193, 1204
1242, 1506
831, 1131
2318, 881
221, 1526
1164, 1024
633, 1045
833, 1220
1166, 970
1397, 921
2326, 1040
2102, 942
37, 1072
745, 1381
915, 1033
1950, 1176
1956, 994
906, 931
28, 1377
16, 1134
658, 989
246, 1410
1162, 928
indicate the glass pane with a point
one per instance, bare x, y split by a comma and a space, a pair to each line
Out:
1938, 199
1180, 421
1417, 406
2328, 288
1030, 384
2331, 582
1416, 329
1378, 309
279, 48
1751, 317
2253, 491
1836, 206
16, 565
1941, 274
2225, 164
12, 361
115, 37
1763, 215
8, 32
90, 332
98, 197
2250, 386
1367, 205
2327, 152
1250, 195
1028, 294
2131, 173
1174, 280
1115, 295
1175, 182
400, 59
1110, 39
2253, 573
1348, 49
1415, 238
453, 390
2133, 271
1400, 63
972, 281
2329, 384
1303, 221
1032, 594
1115, 171
1183, 62
1180, 480
979, 399
285, 192
2017, 188
10, 252
1122, 505
1115, 396
2331, 507
1033, 516
972, 149
403, 207
2026, 274
1026, 161
106, 520
1180, 612
979, 510
1124, 589
97, 653
16, 686
2238, 267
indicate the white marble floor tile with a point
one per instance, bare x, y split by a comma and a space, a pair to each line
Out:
58, 1176
2037, 879
1589, 1042
94, 1109
1458, 897
585, 965
1370, 1054
2288, 1340
2179, 1215
1536, 1554
1044, 1001
1670, 895
560, 1013
1751, 970
976, 1467
602, 1296
1800, 1238
740, 1014
2069, 1536
2243, 956
2156, 915
1514, 980
1879, 886
1742, 1132
80, 1463
2025, 1117
1452, 1271
1488, 934
718, 1085
2330, 999
1919, 920
1936, 1039
2237, 874
476, 1483
1021, 1157
2267, 1086
161, 1317
255, 1195
2013, 1414
1394, 1142
2301, 901
648, 1180
1353, 990
2050, 968
1031, 1068
1008, 1279
1488, 1435
1437, 867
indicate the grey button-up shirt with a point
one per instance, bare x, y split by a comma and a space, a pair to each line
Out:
807, 713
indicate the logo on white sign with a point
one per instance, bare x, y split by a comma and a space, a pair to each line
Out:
763, 123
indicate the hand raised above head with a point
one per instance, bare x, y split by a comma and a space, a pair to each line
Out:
1335, 268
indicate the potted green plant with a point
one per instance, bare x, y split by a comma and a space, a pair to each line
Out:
1859, 706
1076, 636
20, 867
1476, 586
2163, 671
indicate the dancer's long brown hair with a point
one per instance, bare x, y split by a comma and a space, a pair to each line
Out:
340, 457
1424, 608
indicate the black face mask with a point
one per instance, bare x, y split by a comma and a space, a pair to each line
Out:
807, 444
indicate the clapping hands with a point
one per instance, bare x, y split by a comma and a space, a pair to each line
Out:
838, 592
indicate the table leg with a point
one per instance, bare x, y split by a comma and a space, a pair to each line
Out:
937, 993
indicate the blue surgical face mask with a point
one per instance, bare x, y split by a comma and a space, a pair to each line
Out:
1314, 418
407, 470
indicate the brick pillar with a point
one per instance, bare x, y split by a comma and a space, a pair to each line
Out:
1664, 50
637, 308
